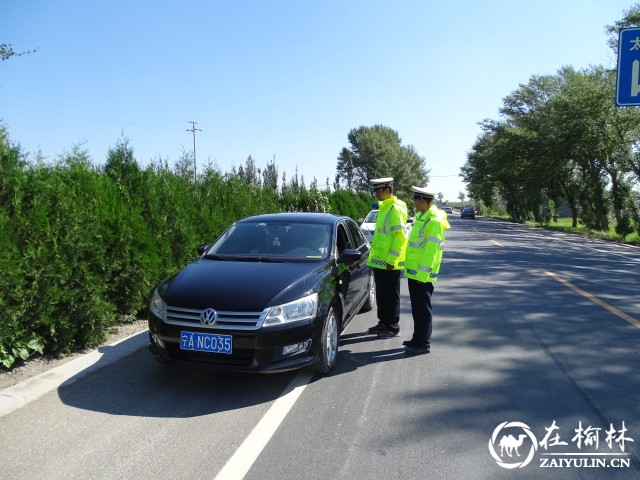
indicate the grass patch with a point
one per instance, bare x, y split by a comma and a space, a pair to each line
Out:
564, 225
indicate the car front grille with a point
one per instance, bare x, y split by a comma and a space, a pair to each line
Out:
190, 317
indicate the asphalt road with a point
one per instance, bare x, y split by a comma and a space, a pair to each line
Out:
537, 329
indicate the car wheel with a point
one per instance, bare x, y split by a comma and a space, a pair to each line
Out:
328, 343
371, 295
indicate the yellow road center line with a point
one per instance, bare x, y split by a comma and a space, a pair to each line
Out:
496, 243
594, 299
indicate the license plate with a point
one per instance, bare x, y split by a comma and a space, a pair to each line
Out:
205, 342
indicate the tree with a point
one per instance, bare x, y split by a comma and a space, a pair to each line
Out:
6, 52
476, 170
270, 176
250, 175
184, 165
631, 18
122, 167
378, 152
602, 138
624, 227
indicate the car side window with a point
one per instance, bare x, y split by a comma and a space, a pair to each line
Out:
343, 239
356, 234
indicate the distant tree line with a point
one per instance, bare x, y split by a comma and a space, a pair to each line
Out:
562, 140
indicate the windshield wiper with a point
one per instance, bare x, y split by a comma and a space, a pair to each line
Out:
215, 256
245, 258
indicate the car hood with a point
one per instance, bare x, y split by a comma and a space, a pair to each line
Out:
240, 286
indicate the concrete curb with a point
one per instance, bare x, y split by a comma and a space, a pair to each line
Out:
22, 393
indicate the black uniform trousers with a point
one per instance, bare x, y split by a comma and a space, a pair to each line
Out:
388, 297
420, 294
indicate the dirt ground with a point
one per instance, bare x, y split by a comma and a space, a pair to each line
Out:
37, 365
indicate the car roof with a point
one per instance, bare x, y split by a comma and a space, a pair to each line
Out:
304, 217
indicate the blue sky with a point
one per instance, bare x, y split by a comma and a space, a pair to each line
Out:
279, 78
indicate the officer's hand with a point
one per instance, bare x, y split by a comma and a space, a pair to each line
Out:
389, 266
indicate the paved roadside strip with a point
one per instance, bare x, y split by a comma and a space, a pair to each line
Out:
22, 393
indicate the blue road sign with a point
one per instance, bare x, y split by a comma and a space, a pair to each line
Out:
628, 76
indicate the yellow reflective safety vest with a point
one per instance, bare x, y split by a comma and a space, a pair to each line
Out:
426, 242
389, 239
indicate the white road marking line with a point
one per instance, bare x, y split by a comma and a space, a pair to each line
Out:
247, 453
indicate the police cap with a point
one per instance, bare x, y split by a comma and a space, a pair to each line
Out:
419, 192
385, 182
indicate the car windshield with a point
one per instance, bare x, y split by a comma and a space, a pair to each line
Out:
273, 240
372, 217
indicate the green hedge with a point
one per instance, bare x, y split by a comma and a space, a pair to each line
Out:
82, 247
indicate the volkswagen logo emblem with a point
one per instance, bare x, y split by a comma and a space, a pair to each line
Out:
208, 317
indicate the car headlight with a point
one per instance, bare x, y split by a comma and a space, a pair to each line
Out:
297, 311
157, 305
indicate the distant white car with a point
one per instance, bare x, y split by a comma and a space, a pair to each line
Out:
368, 225
448, 210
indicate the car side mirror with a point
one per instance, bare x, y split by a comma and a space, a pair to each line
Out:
349, 255
202, 249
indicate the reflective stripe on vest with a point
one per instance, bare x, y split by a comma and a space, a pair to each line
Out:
385, 226
436, 240
421, 241
382, 263
421, 268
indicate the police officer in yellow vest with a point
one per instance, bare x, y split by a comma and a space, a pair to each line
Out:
421, 267
387, 256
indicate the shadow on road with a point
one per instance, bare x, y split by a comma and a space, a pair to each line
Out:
136, 385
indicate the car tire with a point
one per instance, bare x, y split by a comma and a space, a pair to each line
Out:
328, 343
370, 302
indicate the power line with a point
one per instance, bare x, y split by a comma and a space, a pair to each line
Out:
194, 130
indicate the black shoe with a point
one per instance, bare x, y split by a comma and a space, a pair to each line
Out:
413, 351
410, 343
377, 328
388, 334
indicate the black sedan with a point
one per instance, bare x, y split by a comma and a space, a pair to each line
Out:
271, 294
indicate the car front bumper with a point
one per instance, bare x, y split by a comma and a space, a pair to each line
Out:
252, 351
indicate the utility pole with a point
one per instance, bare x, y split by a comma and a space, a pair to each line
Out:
194, 130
